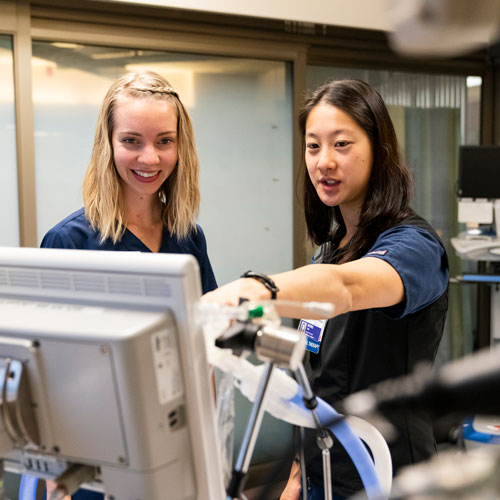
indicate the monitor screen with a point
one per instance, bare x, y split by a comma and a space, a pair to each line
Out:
479, 172
103, 366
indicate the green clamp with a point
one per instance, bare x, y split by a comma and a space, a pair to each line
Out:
256, 312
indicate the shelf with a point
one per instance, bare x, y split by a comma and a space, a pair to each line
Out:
478, 248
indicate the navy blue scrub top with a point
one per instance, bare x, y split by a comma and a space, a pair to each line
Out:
75, 232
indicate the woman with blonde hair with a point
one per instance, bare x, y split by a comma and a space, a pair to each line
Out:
141, 187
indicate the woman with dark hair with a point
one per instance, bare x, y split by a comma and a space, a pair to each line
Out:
388, 193
382, 267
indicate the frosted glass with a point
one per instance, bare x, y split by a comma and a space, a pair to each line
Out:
9, 206
242, 115
246, 170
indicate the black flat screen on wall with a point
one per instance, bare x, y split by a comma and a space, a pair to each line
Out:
479, 172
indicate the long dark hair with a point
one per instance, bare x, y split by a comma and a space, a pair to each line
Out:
388, 196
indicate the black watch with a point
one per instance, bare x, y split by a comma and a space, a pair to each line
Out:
265, 280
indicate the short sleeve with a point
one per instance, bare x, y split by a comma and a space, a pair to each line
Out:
73, 232
57, 239
208, 281
420, 260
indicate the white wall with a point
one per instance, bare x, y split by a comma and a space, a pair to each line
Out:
368, 14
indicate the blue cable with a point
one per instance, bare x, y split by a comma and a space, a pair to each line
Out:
352, 444
27, 489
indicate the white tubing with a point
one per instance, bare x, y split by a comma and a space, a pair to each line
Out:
379, 450
281, 390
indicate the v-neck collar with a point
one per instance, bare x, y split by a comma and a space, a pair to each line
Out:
131, 242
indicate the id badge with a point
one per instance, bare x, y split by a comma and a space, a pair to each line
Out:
313, 328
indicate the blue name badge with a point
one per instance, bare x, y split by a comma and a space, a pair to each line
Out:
313, 328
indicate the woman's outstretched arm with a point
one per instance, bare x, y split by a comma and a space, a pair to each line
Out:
361, 284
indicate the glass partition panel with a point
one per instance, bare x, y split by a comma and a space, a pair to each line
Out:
432, 115
242, 115
9, 206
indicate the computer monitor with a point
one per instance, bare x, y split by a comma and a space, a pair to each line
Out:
479, 172
103, 364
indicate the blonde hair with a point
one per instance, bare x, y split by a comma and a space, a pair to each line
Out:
102, 191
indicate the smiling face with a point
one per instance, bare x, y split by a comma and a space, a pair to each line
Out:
338, 157
144, 141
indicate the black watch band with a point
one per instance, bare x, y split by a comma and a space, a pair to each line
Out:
265, 280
